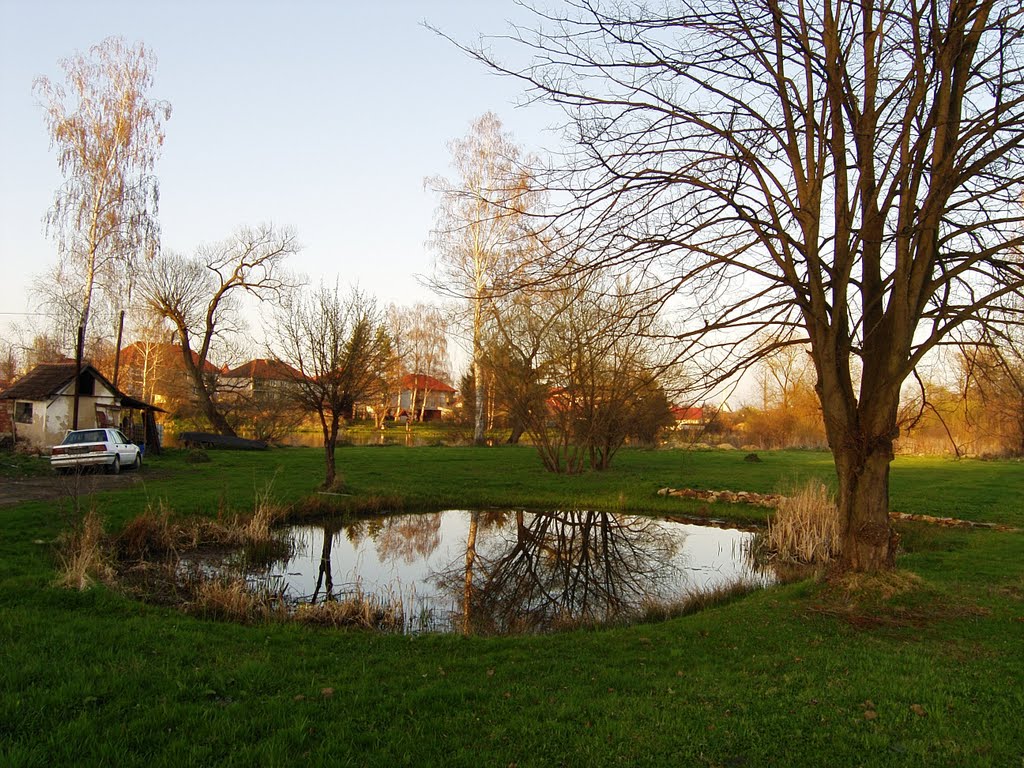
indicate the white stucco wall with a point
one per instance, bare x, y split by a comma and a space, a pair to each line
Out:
52, 419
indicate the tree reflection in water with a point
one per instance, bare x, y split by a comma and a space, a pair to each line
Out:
405, 538
528, 572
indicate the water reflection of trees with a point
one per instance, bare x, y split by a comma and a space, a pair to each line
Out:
535, 571
405, 538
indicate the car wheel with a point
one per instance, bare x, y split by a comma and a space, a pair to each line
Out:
137, 464
115, 466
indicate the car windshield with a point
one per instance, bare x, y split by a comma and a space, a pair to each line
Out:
85, 436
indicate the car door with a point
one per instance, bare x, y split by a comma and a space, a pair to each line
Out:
124, 448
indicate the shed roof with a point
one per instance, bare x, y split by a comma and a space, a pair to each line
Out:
47, 379
692, 413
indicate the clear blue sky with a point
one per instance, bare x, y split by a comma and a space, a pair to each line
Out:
324, 116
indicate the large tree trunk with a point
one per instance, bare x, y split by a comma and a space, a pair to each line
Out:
861, 430
212, 413
867, 541
206, 404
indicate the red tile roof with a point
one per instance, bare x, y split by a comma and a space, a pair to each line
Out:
688, 414
420, 381
136, 354
267, 370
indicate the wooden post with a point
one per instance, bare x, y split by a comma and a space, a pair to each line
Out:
117, 350
79, 349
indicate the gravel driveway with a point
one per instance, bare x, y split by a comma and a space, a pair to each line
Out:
17, 490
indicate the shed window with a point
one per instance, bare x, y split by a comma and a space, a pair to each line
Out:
86, 384
23, 413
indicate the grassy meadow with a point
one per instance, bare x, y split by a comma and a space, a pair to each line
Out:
926, 668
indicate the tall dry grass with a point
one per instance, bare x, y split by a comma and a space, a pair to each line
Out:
232, 599
149, 535
83, 560
357, 610
805, 527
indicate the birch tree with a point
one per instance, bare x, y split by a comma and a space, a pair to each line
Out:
421, 338
107, 133
479, 222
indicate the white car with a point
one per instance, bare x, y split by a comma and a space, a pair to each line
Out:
107, 448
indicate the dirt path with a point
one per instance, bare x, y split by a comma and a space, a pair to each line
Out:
17, 490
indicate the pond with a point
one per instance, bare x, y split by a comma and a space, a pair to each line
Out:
510, 571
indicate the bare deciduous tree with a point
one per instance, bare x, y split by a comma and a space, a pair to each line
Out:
108, 135
10, 361
199, 295
847, 170
992, 387
577, 363
342, 349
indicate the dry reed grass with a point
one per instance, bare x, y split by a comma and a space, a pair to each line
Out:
805, 527
320, 507
83, 561
697, 601
232, 599
358, 610
155, 534
148, 535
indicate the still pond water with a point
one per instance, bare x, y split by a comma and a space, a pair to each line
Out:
510, 571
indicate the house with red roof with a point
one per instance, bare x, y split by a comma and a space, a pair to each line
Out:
424, 398
260, 376
688, 417
156, 372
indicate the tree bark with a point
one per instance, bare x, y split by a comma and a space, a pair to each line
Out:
517, 433
478, 373
867, 541
195, 373
210, 410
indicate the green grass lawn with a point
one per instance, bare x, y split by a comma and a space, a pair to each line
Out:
794, 675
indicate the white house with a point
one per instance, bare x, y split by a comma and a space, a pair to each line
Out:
423, 398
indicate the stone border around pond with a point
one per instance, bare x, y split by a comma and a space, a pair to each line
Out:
772, 500
728, 497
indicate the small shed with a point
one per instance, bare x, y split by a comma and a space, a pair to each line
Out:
41, 406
